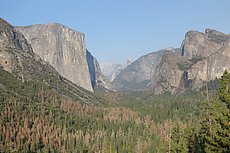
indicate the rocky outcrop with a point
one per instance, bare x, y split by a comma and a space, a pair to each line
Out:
15, 53
197, 44
112, 70
167, 73
139, 74
20, 65
98, 80
204, 57
9, 38
63, 48
211, 67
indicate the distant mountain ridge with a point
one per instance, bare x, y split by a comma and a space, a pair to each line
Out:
138, 75
65, 49
202, 57
111, 70
98, 80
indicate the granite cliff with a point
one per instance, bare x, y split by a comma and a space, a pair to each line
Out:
138, 75
26, 73
17, 56
204, 57
98, 80
65, 50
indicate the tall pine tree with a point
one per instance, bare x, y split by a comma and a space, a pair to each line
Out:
224, 90
215, 130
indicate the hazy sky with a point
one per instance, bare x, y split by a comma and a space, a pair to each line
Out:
123, 29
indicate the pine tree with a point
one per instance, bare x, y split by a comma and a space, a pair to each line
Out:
224, 120
179, 138
224, 90
214, 135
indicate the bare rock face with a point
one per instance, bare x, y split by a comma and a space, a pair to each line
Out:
138, 75
211, 67
167, 73
98, 80
63, 48
197, 44
216, 36
15, 53
204, 57
17, 57
18, 61
9, 38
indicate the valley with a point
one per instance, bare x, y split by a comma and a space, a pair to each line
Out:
54, 96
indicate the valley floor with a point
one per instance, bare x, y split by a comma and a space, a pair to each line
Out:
121, 122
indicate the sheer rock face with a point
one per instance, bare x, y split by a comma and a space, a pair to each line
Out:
204, 57
98, 80
139, 74
63, 48
17, 58
211, 67
167, 73
197, 44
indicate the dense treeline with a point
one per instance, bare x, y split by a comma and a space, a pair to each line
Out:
215, 128
163, 107
63, 125
135, 122
209, 131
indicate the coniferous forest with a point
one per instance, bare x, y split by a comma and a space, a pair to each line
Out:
106, 76
40, 120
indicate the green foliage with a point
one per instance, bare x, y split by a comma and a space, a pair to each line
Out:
36, 117
210, 129
217, 123
224, 90
162, 107
214, 133
179, 140
68, 126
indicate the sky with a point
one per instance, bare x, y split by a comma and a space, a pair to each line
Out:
117, 30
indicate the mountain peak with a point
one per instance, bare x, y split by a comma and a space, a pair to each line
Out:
198, 44
204, 58
63, 48
216, 36
4, 24
10, 38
